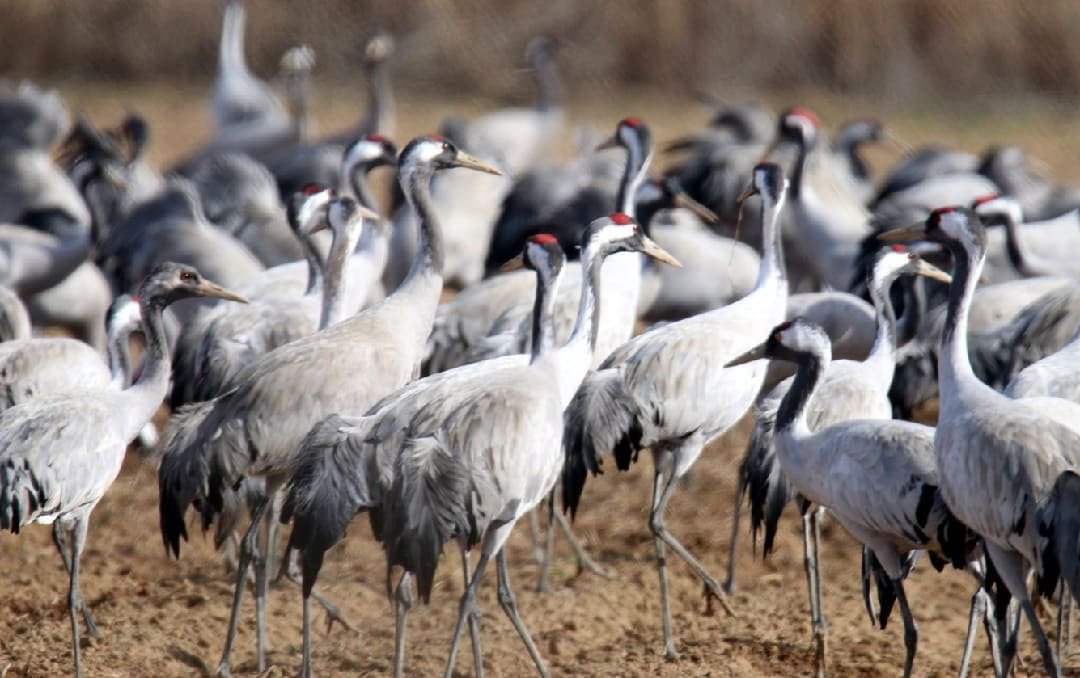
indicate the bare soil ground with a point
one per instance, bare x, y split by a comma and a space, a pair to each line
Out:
168, 618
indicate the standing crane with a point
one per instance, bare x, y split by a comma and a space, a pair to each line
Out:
667, 391
322, 509
997, 458
254, 429
62, 452
848, 390
876, 476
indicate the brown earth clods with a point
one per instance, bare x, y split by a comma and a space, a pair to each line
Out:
164, 617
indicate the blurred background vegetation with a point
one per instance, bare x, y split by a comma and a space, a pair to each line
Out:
966, 72
899, 49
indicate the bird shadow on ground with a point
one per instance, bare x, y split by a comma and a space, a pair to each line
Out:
189, 659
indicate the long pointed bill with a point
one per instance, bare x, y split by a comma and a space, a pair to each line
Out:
903, 147
209, 289
706, 214
928, 270
367, 213
650, 248
745, 195
610, 142
756, 353
514, 264
463, 159
912, 232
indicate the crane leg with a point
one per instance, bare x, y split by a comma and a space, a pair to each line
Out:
248, 551
543, 584
305, 664
403, 602
813, 582
911, 631
466, 609
656, 522
474, 618
1064, 622
585, 561
261, 564
333, 612
736, 514
661, 565
978, 609
509, 605
75, 599
60, 539
1012, 570
534, 536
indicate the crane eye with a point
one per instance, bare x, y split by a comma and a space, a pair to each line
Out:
187, 276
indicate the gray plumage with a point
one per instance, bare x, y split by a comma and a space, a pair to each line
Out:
33, 367
877, 477
997, 458
648, 394
62, 452
255, 428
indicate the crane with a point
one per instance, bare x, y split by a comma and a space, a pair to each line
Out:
332, 482
254, 429
997, 458
62, 452
650, 392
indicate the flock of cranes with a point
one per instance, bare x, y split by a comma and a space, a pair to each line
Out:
343, 383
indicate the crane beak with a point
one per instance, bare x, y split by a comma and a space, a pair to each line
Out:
928, 270
681, 144
367, 213
756, 353
706, 214
745, 195
901, 146
650, 248
514, 264
610, 142
904, 233
463, 159
209, 289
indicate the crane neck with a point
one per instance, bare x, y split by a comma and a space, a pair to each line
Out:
119, 355
914, 309
337, 261
428, 261
954, 366
231, 50
798, 171
809, 368
380, 113
587, 324
543, 329
356, 175
1019, 256
772, 267
315, 265
549, 89
636, 169
883, 351
147, 393
14, 318
298, 88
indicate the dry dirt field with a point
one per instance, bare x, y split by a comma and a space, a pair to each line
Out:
168, 618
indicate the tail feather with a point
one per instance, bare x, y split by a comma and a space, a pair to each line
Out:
183, 472
885, 592
760, 472
21, 494
601, 417
430, 501
331, 481
1059, 526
